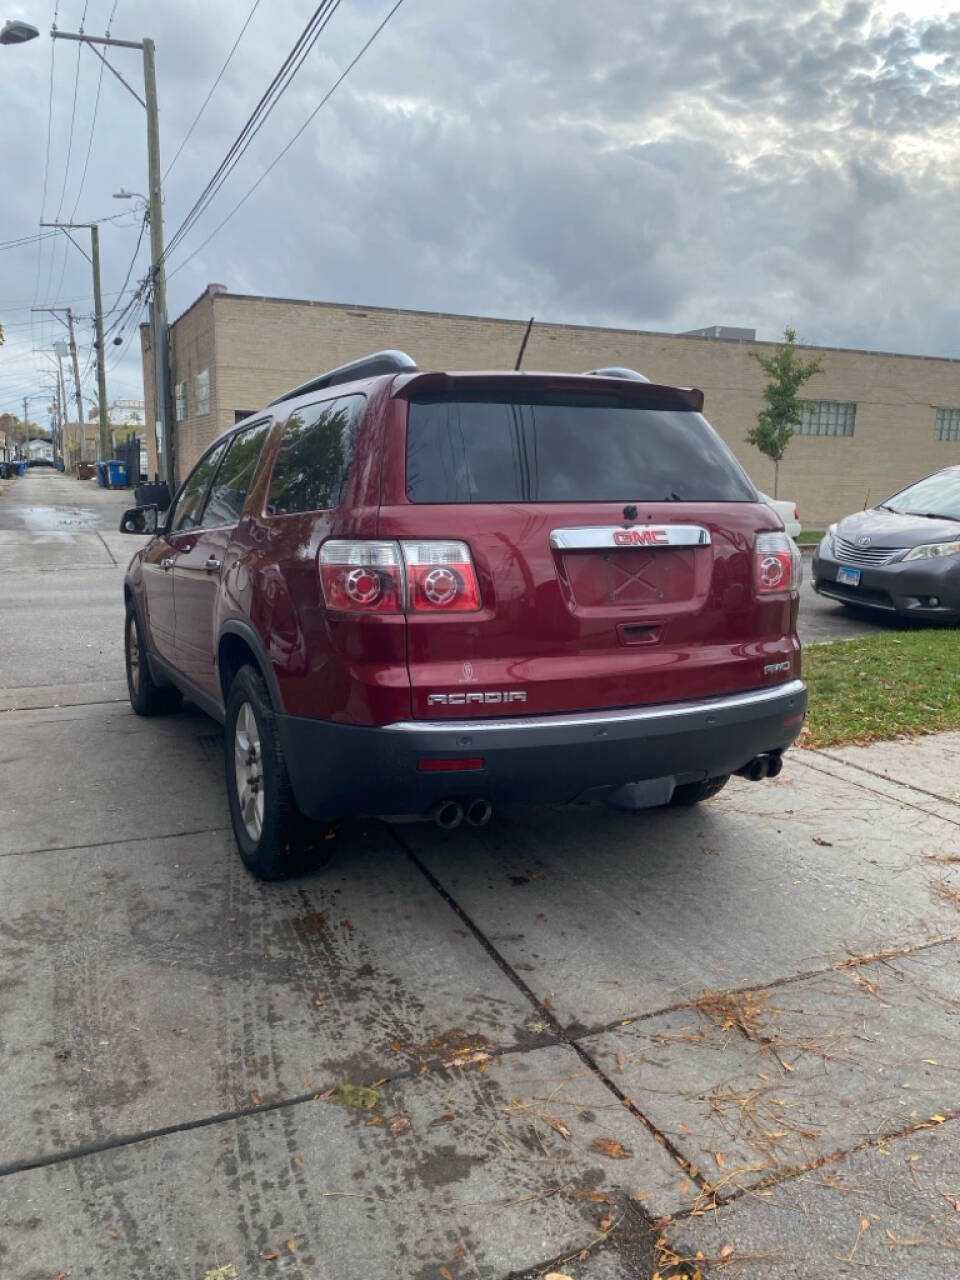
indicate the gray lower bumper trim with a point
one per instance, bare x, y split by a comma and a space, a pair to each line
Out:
674, 713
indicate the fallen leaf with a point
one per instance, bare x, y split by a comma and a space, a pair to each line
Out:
318, 1002
621, 1060
607, 1147
445, 1272
460, 1252
827, 844
726, 1251
547, 1002
684, 1186
399, 1124
113, 1233
638, 1195
721, 1159
561, 1128
374, 1119
931, 1062
298, 1162
913, 1157
256, 1099
357, 1096
292, 1246
227, 1272
939, 1119
606, 1222
684, 1127
864, 1224
788, 1067
62, 1275
268, 1255
557, 1275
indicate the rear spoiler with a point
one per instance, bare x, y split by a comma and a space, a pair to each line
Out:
627, 391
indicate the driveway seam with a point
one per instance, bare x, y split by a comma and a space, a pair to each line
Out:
549, 1017
103, 844
874, 791
116, 562
896, 782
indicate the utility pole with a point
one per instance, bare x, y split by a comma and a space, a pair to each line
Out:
158, 276
26, 428
54, 311
94, 259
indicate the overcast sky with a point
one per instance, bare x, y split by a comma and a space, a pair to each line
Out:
664, 165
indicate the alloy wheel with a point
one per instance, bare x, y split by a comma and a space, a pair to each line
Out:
248, 763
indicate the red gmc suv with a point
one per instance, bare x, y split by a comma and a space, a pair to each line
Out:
408, 592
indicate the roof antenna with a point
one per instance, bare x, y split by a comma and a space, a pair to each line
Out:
523, 345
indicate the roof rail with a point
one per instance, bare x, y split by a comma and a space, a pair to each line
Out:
618, 371
365, 367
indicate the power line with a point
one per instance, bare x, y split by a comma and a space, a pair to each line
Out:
96, 108
16, 244
196, 118
257, 118
309, 120
66, 170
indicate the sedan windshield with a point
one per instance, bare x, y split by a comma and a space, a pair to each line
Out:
937, 495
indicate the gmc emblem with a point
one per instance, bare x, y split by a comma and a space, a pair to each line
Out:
640, 537
475, 699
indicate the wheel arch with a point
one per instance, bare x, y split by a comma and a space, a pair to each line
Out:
239, 645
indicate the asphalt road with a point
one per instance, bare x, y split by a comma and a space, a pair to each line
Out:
576, 1040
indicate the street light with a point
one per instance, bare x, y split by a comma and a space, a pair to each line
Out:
124, 194
15, 32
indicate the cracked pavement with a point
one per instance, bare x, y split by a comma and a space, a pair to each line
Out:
592, 1042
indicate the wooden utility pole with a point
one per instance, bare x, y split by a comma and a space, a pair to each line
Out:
94, 260
55, 311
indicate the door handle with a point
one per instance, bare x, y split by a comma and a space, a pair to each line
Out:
211, 564
168, 563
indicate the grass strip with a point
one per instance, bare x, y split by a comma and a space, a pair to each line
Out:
882, 686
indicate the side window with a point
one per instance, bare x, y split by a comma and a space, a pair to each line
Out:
313, 461
186, 513
232, 482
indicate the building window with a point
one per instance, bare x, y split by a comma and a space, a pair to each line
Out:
202, 393
948, 424
180, 395
827, 418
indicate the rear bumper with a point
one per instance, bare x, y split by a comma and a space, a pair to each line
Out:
339, 769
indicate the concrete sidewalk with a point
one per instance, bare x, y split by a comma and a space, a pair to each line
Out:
721, 1041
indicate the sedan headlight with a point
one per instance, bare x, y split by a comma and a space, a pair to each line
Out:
931, 549
828, 536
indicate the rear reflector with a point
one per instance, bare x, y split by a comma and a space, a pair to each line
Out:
450, 766
777, 564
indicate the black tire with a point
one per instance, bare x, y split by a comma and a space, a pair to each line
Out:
694, 792
146, 697
273, 838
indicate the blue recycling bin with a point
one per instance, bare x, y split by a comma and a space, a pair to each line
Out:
117, 471
102, 475
21, 468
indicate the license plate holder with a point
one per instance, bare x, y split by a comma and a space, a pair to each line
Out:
848, 577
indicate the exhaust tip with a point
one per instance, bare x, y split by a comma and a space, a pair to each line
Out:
479, 813
448, 815
774, 766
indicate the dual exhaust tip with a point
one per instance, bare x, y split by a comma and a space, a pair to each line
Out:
760, 767
449, 814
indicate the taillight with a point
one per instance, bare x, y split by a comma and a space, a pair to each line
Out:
796, 514
363, 577
776, 564
391, 577
440, 577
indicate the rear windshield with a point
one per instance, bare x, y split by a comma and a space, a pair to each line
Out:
507, 451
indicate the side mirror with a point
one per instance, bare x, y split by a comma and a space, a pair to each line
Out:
140, 520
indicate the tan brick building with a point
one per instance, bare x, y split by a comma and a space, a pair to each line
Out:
877, 420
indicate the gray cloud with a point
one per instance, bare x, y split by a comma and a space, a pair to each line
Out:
678, 163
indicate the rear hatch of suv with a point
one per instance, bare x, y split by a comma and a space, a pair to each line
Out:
605, 543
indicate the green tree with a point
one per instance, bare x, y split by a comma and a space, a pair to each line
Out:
782, 410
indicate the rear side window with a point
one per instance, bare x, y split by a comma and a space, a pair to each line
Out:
186, 514
229, 490
592, 451
314, 457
